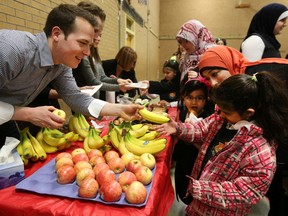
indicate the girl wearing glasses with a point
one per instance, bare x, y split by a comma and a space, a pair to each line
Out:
194, 97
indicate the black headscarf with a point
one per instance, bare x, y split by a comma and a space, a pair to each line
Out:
264, 21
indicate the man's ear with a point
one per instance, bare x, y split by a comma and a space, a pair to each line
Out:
249, 113
55, 33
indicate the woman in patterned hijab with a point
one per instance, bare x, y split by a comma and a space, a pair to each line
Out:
195, 38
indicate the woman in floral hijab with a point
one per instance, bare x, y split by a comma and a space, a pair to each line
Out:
195, 38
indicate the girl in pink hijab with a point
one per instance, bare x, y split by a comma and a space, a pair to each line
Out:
195, 38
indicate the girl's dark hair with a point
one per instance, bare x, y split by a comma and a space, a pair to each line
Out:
64, 17
173, 64
221, 39
93, 8
193, 85
186, 87
263, 92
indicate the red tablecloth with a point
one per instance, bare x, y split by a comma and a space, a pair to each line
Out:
16, 203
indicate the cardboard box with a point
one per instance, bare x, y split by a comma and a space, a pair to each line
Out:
12, 172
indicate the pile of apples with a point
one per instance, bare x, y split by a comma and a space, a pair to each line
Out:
107, 174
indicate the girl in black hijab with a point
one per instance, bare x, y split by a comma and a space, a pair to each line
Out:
260, 41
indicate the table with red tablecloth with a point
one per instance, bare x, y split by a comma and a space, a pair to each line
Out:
160, 200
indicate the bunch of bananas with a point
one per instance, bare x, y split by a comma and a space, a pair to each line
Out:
153, 116
136, 139
53, 140
79, 125
46, 141
93, 140
29, 147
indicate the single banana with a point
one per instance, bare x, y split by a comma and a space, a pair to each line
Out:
149, 136
94, 140
141, 149
39, 135
69, 135
28, 141
37, 147
85, 145
113, 136
136, 126
158, 141
53, 139
149, 143
139, 132
19, 149
136, 141
153, 117
27, 146
122, 146
78, 128
56, 131
70, 124
47, 148
76, 137
25, 160
80, 138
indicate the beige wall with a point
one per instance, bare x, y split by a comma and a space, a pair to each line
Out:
30, 15
221, 17
155, 41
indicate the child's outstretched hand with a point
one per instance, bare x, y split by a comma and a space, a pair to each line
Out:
167, 128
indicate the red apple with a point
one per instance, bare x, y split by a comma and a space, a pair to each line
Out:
96, 160
81, 165
148, 160
125, 179
63, 154
94, 152
117, 165
133, 165
88, 188
110, 154
127, 157
83, 174
105, 176
77, 151
111, 192
66, 174
63, 161
98, 167
136, 193
144, 175
80, 157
